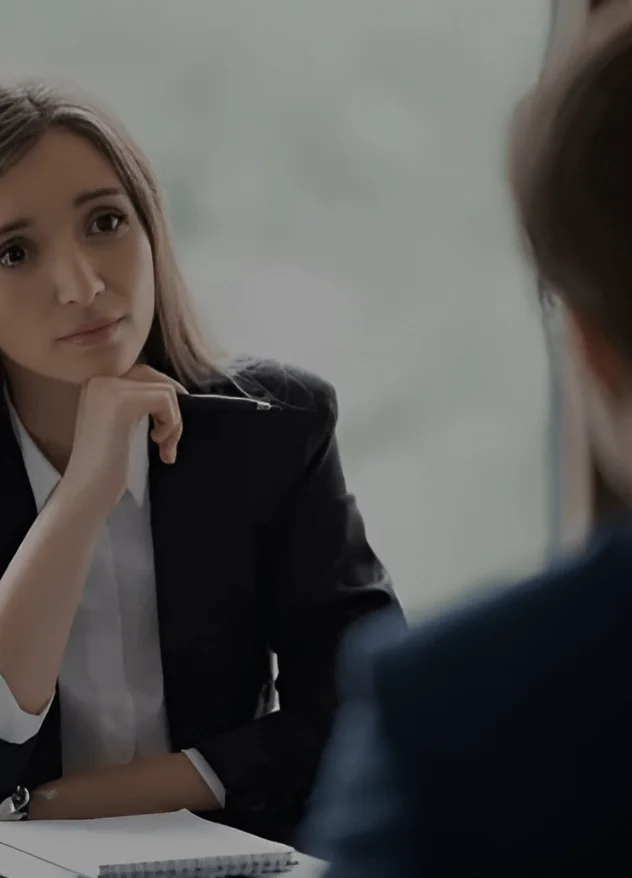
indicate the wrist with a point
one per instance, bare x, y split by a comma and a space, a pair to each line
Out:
74, 496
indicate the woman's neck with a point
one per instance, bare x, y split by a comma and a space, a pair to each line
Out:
48, 411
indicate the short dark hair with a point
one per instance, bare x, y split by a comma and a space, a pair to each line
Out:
570, 168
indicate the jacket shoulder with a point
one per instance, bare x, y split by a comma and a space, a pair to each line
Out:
287, 386
575, 612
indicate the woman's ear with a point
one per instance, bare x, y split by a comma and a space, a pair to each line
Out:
605, 363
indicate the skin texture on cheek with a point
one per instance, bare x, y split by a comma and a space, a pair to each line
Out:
26, 357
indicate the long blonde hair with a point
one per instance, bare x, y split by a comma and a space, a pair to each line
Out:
28, 110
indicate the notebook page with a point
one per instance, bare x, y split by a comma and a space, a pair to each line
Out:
85, 845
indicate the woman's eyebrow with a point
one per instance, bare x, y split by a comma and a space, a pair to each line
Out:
19, 225
92, 194
15, 226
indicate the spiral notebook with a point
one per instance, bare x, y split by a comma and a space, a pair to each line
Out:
177, 845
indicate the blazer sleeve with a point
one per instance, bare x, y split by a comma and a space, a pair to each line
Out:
322, 577
13, 760
361, 819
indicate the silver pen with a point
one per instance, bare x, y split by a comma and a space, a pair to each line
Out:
219, 401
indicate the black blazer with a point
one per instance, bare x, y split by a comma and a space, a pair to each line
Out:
258, 549
494, 742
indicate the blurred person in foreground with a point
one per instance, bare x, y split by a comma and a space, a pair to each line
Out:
496, 741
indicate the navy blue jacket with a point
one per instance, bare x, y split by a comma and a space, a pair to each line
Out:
495, 741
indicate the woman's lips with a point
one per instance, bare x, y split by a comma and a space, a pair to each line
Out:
94, 333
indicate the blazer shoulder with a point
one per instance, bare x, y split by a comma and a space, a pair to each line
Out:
580, 605
287, 386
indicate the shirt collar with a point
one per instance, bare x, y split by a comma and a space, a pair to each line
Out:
44, 477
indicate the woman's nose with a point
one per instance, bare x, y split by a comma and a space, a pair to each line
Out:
76, 280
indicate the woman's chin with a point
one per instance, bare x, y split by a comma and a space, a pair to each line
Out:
113, 365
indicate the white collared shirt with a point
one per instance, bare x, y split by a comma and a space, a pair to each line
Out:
110, 681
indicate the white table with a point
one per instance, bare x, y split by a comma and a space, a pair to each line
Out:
15, 864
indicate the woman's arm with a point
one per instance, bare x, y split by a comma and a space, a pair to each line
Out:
322, 577
41, 588
146, 786
39, 594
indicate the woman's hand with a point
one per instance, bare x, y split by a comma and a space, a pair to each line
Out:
110, 410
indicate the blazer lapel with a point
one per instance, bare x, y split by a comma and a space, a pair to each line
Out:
17, 504
195, 516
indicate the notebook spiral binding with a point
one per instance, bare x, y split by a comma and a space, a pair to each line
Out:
239, 866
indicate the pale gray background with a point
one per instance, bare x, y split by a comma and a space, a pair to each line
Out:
334, 171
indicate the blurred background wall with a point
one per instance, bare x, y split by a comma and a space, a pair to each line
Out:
334, 175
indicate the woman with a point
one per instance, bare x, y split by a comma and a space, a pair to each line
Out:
146, 580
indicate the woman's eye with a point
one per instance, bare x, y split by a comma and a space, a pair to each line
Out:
107, 223
12, 256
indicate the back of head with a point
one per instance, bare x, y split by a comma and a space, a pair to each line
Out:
571, 175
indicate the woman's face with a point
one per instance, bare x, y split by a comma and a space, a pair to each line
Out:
73, 256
